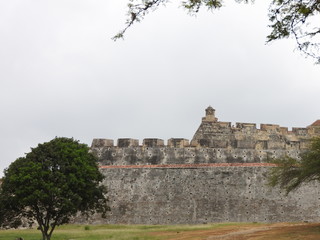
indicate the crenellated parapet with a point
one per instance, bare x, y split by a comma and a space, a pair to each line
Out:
147, 142
213, 142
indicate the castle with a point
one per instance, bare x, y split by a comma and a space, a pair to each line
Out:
219, 176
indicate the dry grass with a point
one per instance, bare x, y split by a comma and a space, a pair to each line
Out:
278, 231
222, 231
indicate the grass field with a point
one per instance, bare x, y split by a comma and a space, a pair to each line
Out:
223, 231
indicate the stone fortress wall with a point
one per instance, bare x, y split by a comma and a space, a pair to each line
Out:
219, 176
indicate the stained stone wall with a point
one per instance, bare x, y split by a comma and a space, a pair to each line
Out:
203, 195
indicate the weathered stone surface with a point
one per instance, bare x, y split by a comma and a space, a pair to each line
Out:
219, 177
202, 195
101, 143
128, 142
178, 142
153, 142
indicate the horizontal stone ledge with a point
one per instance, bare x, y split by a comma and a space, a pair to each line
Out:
201, 165
147, 142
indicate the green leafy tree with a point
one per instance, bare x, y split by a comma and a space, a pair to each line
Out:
289, 18
290, 173
50, 185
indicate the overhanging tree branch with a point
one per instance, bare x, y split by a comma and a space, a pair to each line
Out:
299, 19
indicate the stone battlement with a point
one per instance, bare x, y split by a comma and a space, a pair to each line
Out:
218, 176
147, 142
213, 142
215, 134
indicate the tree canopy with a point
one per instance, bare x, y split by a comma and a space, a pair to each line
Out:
298, 19
50, 185
290, 173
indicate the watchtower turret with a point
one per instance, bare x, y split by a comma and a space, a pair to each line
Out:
210, 115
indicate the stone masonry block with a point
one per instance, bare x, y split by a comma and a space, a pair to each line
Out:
178, 142
127, 142
153, 142
101, 142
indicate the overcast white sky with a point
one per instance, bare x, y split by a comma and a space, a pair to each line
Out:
62, 75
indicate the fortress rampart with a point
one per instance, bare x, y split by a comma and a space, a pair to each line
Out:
218, 176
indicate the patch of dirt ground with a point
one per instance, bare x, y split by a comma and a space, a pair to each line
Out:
277, 231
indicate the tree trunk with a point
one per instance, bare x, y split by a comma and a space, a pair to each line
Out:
46, 236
